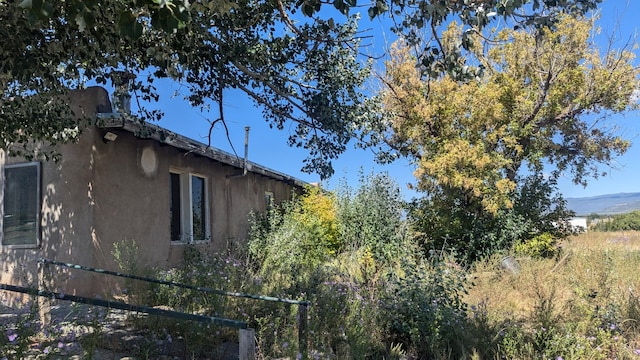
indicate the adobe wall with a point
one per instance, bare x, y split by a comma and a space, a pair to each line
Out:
66, 208
104, 192
132, 199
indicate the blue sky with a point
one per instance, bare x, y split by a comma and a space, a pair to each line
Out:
268, 147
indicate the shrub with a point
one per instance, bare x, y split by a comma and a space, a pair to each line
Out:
206, 270
295, 238
454, 221
541, 246
331, 249
424, 308
623, 222
371, 217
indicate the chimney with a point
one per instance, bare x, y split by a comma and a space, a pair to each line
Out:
121, 98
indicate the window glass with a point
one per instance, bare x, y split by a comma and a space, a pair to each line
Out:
175, 207
21, 215
198, 208
268, 200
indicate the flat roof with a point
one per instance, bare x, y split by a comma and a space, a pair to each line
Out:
145, 130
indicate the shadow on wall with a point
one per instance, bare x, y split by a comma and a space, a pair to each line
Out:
66, 212
59, 237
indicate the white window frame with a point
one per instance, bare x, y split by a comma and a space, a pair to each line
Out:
38, 206
186, 208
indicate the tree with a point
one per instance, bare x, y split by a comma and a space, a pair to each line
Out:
621, 222
298, 64
540, 101
301, 70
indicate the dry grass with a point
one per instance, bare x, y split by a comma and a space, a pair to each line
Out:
592, 284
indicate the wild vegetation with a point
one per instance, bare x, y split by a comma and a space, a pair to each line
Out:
621, 222
299, 61
489, 172
375, 293
479, 267
375, 298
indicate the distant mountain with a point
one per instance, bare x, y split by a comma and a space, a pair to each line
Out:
605, 204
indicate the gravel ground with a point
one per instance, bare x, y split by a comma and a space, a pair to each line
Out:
77, 330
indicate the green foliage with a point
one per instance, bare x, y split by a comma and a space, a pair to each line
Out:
342, 285
445, 224
454, 221
543, 245
202, 269
417, 21
372, 217
477, 136
424, 308
623, 222
208, 270
317, 217
298, 64
295, 238
483, 147
299, 70
126, 255
317, 226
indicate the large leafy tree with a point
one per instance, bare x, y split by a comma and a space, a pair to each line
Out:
535, 111
541, 100
303, 70
298, 63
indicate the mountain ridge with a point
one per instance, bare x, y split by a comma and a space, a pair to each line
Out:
607, 204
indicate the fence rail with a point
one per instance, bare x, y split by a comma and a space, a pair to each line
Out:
302, 305
124, 306
171, 283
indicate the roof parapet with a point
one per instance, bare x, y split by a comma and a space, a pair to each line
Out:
146, 130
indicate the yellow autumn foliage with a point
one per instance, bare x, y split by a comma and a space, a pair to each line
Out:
526, 110
317, 214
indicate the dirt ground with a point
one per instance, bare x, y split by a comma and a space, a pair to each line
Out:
83, 332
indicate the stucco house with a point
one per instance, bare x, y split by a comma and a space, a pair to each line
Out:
125, 180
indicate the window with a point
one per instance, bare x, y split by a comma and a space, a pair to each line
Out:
268, 201
175, 209
188, 207
21, 205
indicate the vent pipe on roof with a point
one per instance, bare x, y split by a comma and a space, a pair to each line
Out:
121, 99
246, 150
245, 161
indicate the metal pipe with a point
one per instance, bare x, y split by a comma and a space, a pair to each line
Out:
246, 150
170, 283
245, 161
124, 306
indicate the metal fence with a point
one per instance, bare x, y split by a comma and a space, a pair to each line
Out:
246, 335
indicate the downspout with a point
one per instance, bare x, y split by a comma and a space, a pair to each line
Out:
245, 161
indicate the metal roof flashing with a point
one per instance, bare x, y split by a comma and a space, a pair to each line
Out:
145, 130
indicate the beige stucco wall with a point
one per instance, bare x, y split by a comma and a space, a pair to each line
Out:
133, 205
66, 208
99, 195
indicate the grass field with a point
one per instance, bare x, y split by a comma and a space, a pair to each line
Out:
583, 304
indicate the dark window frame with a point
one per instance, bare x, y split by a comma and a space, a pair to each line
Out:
33, 195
